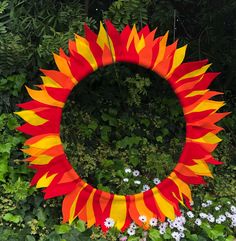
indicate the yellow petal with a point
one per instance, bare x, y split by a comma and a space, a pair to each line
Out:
32, 118
45, 181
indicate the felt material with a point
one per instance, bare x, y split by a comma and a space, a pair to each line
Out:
54, 173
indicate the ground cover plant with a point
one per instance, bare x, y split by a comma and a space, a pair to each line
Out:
122, 128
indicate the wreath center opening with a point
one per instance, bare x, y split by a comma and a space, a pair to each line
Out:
123, 129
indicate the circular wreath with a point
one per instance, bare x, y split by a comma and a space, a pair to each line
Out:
43, 116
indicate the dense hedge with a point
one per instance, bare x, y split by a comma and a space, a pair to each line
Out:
120, 117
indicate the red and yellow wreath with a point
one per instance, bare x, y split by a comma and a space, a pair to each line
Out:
43, 114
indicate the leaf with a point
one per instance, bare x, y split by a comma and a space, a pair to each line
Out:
63, 228
80, 226
154, 235
30, 238
133, 239
12, 218
3, 167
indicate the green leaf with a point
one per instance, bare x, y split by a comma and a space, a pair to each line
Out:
154, 235
230, 238
63, 228
12, 218
30, 238
80, 226
3, 167
133, 239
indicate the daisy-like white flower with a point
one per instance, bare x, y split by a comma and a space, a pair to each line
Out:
136, 173
143, 218
162, 231
217, 208
190, 214
126, 179
128, 170
109, 223
137, 182
218, 221
228, 215
203, 215
204, 205
175, 235
209, 202
131, 231
211, 218
180, 228
133, 226
198, 221
153, 222
145, 188
156, 181
222, 218
233, 209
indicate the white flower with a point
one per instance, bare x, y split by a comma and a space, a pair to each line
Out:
133, 226
228, 202
145, 188
175, 235
203, 215
204, 205
109, 222
233, 218
126, 179
209, 202
190, 214
180, 228
211, 218
128, 170
171, 225
217, 208
198, 221
222, 218
218, 221
136, 173
131, 231
137, 182
156, 181
162, 231
153, 222
233, 209
227, 214
182, 235
233, 224
143, 218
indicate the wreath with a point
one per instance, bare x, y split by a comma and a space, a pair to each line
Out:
43, 114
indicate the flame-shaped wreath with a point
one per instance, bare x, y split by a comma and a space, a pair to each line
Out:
43, 116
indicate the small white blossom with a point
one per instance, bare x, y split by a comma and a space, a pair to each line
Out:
162, 231
109, 222
222, 218
153, 222
136, 173
198, 221
131, 231
218, 221
175, 235
211, 218
156, 181
203, 215
128, 170
143, 218
126, 179
228, 215
145, 188
133, 226
182, 235
137, 182
217, 208
233, 218
180, 228
233, 209
233, 224
190, 214
209, 202
204, 205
